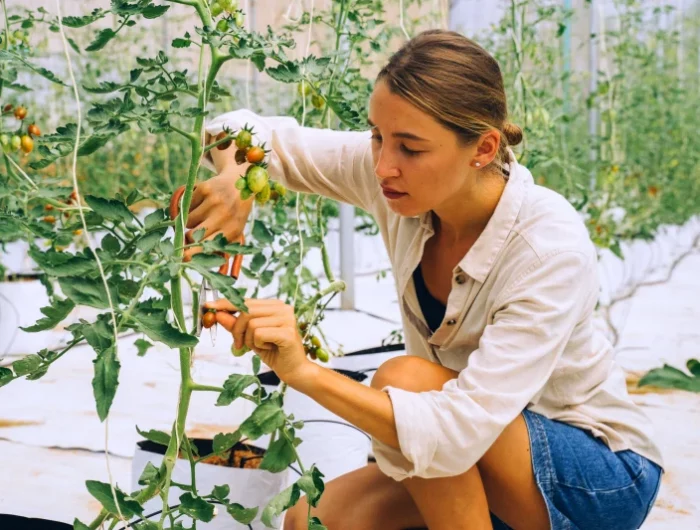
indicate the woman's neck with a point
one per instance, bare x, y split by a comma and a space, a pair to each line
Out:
468, 212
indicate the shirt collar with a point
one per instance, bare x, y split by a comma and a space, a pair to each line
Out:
479, 261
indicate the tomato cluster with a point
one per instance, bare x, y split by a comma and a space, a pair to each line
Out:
312, 345
22, 138
256, 181
305, 90
218, 7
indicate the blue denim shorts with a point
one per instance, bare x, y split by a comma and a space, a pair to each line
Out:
586, 485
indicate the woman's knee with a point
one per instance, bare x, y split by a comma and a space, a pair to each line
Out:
411, 373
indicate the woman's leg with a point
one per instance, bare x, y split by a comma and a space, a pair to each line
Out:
502, 481
364, 499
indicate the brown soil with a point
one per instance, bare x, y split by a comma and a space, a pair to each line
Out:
241, 458
633, 379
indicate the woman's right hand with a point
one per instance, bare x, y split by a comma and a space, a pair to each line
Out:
218, 208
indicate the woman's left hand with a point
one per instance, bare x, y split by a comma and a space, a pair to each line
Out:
269, 329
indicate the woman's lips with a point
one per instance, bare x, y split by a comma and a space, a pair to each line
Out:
391, 194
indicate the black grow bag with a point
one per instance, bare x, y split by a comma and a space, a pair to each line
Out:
270, 378
17, 522
205, 446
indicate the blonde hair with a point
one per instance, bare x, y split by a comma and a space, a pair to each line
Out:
457, 82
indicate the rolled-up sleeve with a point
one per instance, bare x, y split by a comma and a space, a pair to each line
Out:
445, 432
335, 164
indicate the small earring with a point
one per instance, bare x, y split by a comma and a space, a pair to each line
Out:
478, 164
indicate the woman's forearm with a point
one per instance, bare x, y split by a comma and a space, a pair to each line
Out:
367, 408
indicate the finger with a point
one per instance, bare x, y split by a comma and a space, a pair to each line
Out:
256, 323
199, 194
227, 320
198, 214
239, 329
263, 338
221, 304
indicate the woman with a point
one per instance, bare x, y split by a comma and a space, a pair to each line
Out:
509, 410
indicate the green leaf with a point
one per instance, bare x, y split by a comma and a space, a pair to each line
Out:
278, 456
694, 367
62, 263
207, 261
670, 377
5, 376
106, 380
222, 283
266, 418
27, 365
225, 441
234, 388
154, 218
99, 334
258, 261
93, 143
196, 507
311, 483
241, 514
105, 87
181, 43
77, 525
54, 314
103, 493
101, 40
111, 209
86, 291
157, 328
287, 72
261, 233
79, 22
315, 524
151, 11
148, 241
149, 474
221, 493
155, 436
11, 57
110, 244
143, 346
256, 364
279, 503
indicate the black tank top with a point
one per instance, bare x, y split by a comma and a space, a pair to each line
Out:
433, 309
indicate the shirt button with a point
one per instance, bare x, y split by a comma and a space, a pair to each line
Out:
451, 322
460, 279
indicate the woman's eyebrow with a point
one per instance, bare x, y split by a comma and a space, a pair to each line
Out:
407, 135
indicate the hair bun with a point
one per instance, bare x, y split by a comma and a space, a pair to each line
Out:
513, 133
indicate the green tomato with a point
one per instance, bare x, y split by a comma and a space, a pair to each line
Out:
238, 19
245, 194
264, 195
239, 352
244, 139
306, 91
15, 143
4, 140
322, 355
279, 188
315, 341
225, 4
241, 184
222, 25
318, 101
257, 178
216, 9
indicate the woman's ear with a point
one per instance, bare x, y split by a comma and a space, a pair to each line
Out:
487, 147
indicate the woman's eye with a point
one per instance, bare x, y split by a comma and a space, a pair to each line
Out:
409, 152
376, 138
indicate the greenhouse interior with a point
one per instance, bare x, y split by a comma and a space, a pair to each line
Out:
262, 258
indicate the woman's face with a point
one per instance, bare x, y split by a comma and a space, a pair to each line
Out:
419, 163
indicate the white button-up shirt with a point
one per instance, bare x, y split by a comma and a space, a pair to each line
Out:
519, 324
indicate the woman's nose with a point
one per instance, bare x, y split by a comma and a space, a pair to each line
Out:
384, 165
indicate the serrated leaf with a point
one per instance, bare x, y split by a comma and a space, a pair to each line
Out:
18, 88
106, 380
149, 474
87, 291
111, 209
27, 365
99, 334
105, 87
142, 346
79, 22
148, 241
157, 328
262, 233
152, 11
62, 263
288, 72
225, 441
311, 483
54, 315
196, 507
234, 387
93, 143
103, 493
265, 419
101, 40
279, 503
181, 43
278, 456
6, 376
153, 218
155, 436
241, 514
7, 56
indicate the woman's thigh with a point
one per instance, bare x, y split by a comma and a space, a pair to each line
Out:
365, 498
